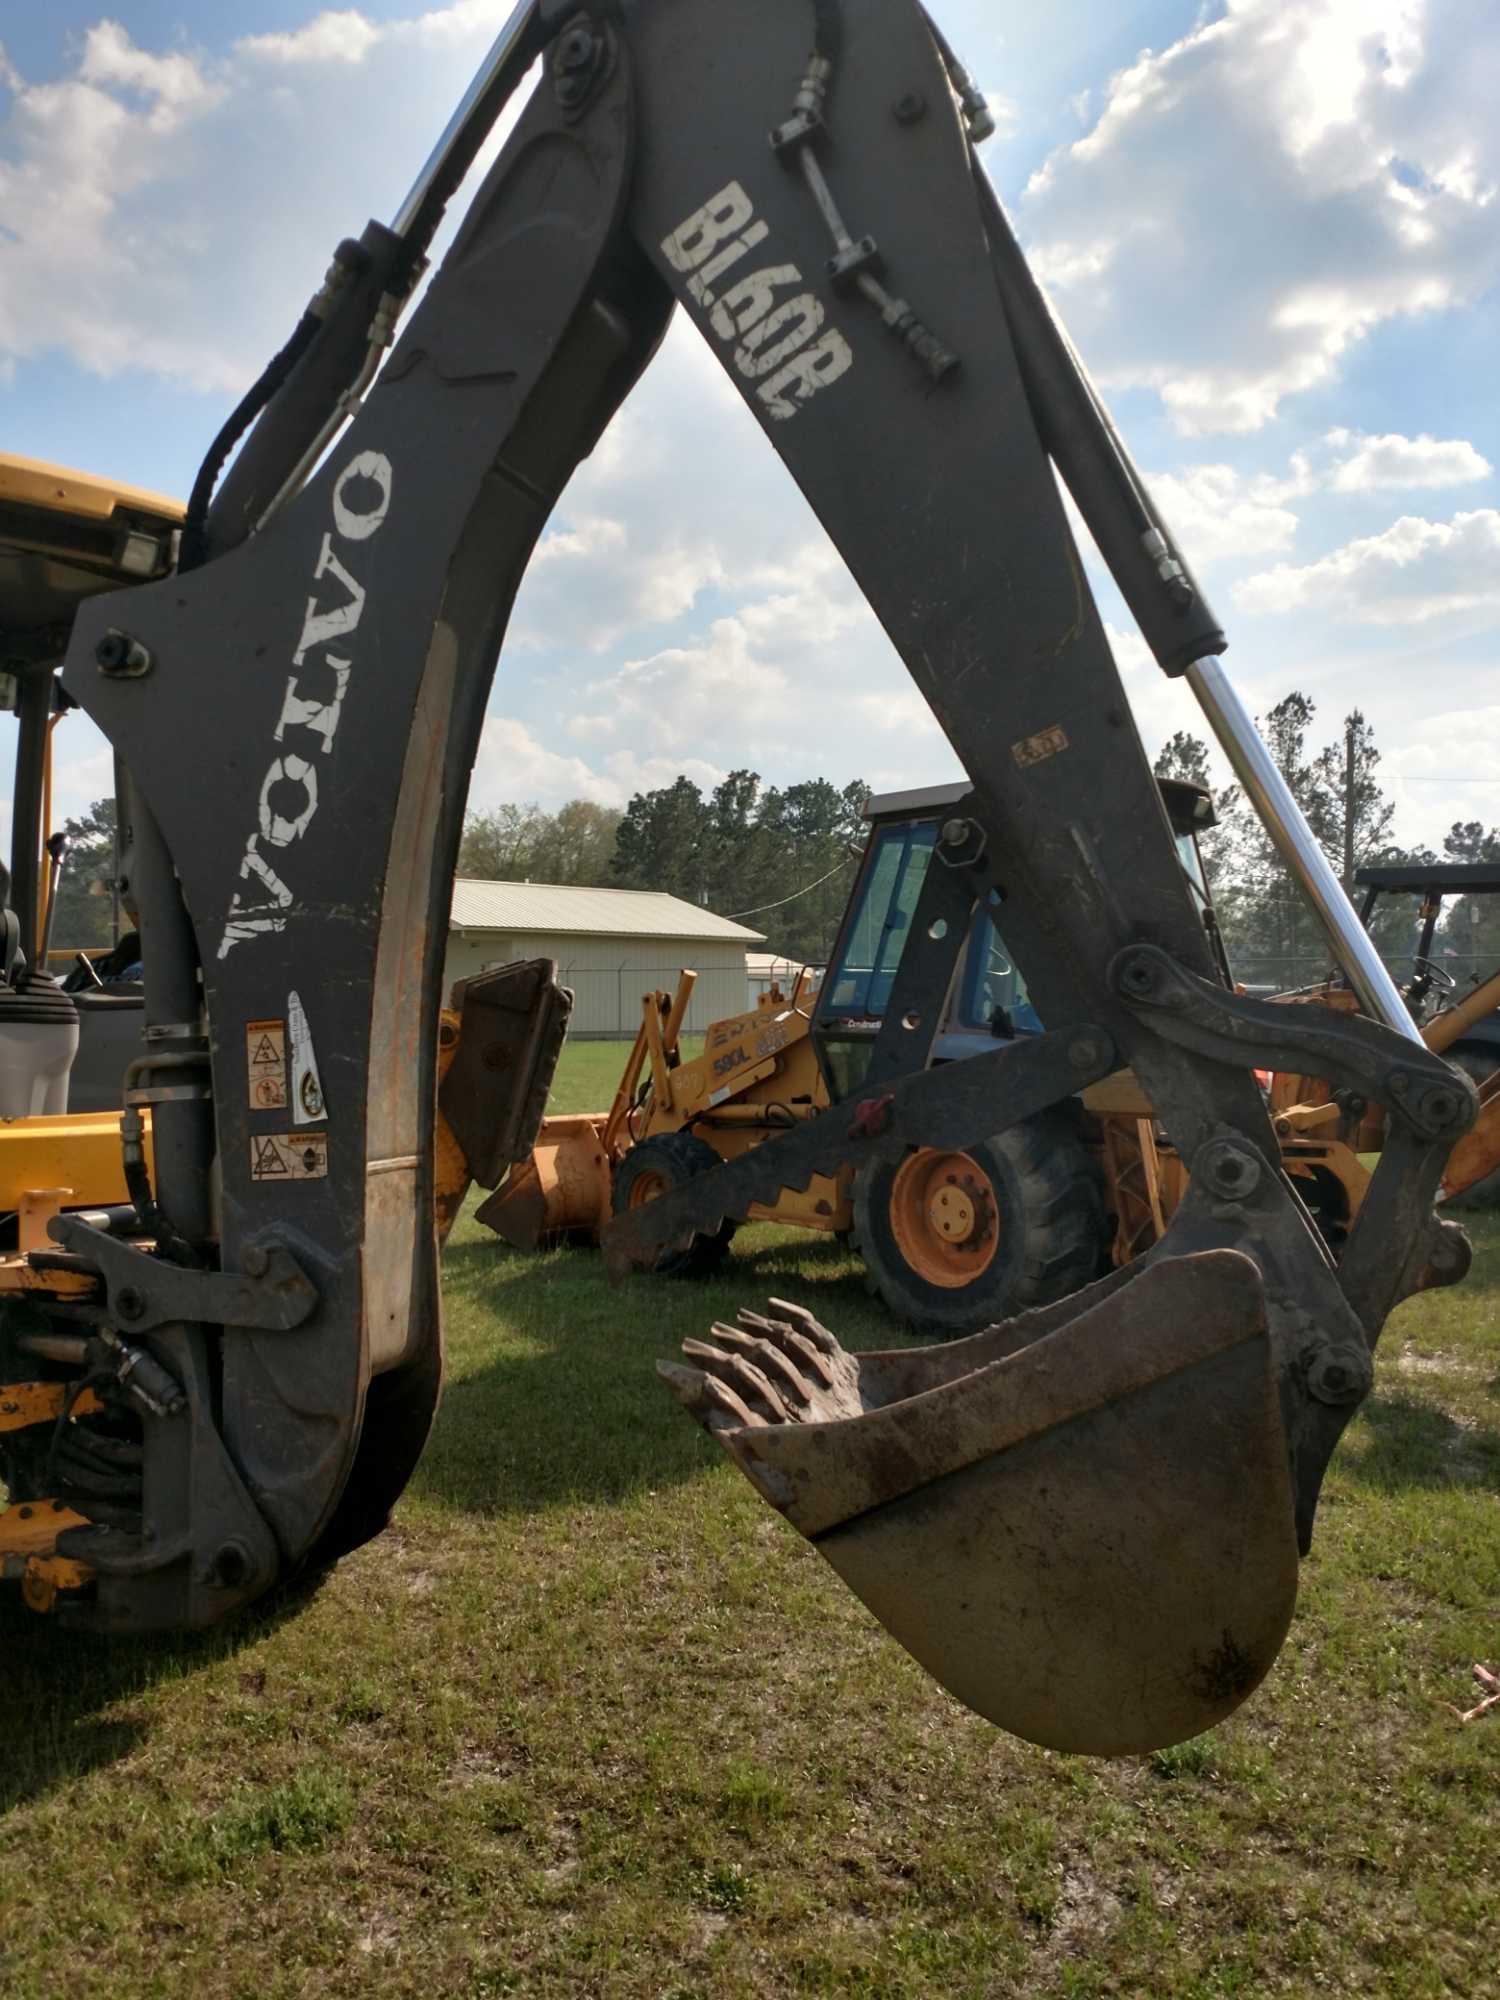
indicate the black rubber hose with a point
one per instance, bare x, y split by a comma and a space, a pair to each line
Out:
194, 550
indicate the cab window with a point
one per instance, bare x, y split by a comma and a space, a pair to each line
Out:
860, 984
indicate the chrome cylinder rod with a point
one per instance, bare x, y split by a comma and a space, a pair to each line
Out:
1280, 814
510, 49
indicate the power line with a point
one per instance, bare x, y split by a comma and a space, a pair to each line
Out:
766, 908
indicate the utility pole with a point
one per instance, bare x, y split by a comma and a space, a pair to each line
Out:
1351, 728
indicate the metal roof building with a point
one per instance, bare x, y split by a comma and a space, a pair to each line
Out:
611, 945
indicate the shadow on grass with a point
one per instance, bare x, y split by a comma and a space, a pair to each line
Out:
1402, 1443
571, 1409
59, 1685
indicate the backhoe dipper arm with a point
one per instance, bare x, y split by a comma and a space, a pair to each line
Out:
797, 175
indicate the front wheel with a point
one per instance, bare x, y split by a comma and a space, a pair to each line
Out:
653, 1167
955, 1241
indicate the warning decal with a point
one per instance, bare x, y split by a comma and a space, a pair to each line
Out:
265, 1060
284, 1156
308, 1105
1037, 749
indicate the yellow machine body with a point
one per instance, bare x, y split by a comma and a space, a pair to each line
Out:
757, 1076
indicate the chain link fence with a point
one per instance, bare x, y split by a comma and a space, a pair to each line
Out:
1289, 973
607, 999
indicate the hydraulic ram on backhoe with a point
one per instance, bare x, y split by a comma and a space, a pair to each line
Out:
1087, 1522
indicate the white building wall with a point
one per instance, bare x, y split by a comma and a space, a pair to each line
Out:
609, 975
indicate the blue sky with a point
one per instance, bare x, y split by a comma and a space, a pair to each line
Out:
1272, 226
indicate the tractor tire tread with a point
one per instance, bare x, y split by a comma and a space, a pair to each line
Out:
1057, 1190
680, 1157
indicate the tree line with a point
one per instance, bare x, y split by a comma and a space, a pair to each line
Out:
782, 858
1272, 937
779, 858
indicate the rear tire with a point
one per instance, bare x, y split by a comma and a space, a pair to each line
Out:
956, 1241
649, 1170
1479, 1063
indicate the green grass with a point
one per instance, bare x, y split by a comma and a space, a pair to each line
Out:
590, 1721
589, 1074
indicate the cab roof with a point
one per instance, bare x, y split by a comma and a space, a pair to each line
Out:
1190, 807
79, 496
66, 536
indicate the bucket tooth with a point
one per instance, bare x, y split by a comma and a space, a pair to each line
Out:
1090, 1540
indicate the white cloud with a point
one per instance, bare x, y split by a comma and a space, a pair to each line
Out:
597, 579
171, 84
1446, 767
1215, 512
141, 192
513, 766
1416, 570
83, 776
335, 36
1377, 464
1255, 199
797, 677
1219, 513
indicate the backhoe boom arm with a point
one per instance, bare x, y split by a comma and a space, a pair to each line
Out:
799, 179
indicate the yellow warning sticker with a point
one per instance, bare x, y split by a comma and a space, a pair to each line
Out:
265, 1060
286, 1156
1037, 749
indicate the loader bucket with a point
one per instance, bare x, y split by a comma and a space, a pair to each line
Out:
1090, 1541
560, 1193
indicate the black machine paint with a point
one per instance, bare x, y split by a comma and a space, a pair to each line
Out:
325, 678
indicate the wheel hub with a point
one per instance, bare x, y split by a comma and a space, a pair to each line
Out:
954, 1214
945, 1218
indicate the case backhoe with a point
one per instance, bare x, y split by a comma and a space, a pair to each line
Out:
1086, 1522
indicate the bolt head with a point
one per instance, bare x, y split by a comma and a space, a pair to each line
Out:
1139, 976
1337, 1377
1229, 1171
129, 1304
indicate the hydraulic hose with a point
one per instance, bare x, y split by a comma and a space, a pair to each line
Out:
194, 549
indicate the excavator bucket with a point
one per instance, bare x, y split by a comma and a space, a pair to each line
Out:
513, 1022
560, 1192
1090, 1540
